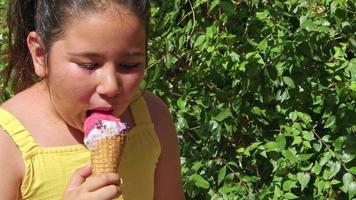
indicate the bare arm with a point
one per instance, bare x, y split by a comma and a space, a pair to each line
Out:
168, 184
11, 168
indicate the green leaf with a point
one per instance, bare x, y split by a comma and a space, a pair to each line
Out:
346, 157
303, 179
347, 178
256, 2
352, 189
240, 150
262, 15
332, 171
199, 42
263, 44
290, 156
234, 56
305, 157
352, 170
221, 175
258, 111
307, 135
339, 142
297, 140
307, 144
197, 166
214, 4
306, 23
318, 146
325, 159
290, 195
197, 3
335, 182
333, 7
277, 192
293, 116
223, 115
201, 182
316, 169
288, 185
181, 103
242, 66
338, 78
288, 81
330, 122
281, 141
271, 146
227, 189
353, 86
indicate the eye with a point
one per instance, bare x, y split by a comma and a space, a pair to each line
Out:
129, 65
89, 66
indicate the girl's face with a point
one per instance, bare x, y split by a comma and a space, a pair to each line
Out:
97, 65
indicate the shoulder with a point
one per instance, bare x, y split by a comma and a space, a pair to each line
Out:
162, 119
168, 183
10, 155
11, 166
157, 107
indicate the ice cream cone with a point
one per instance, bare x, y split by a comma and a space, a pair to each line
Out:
105, 137
106, 154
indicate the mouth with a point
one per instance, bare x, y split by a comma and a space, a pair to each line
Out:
104, 110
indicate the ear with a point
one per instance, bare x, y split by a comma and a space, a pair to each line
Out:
38, 55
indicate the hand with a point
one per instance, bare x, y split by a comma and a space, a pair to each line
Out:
98, 187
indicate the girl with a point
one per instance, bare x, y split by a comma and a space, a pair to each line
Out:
88, 55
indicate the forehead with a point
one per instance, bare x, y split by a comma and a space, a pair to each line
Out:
111, 30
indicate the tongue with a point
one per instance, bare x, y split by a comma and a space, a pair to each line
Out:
94, 117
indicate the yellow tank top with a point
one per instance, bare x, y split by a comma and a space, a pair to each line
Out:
49, 169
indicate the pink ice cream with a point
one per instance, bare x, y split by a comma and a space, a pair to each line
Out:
101, 125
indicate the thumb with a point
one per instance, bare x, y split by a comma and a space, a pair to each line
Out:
79, 177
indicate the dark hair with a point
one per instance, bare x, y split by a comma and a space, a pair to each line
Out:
49, 18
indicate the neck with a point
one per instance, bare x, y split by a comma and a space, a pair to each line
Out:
63, 130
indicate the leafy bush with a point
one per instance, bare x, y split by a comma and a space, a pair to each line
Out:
263, 94
3, 35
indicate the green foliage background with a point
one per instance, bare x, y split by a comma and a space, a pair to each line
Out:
263, 94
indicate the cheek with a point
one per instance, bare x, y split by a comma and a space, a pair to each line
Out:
71, 92
81, 90
70, 84
132, 81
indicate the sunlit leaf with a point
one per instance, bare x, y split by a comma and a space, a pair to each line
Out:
303, 179
201, 182
288, 81
221, 175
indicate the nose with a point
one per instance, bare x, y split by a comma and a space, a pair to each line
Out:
108, 82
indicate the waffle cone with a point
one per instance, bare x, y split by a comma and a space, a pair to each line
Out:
106, 154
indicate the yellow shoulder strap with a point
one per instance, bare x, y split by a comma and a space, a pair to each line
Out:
140, 111
19, 134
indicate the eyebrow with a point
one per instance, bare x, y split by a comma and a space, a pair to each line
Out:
97, 55
85, 54
136, 53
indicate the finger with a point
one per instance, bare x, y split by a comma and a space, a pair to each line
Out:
107, 192
101, 180
79, 177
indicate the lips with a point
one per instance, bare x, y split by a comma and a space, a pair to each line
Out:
103, 110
